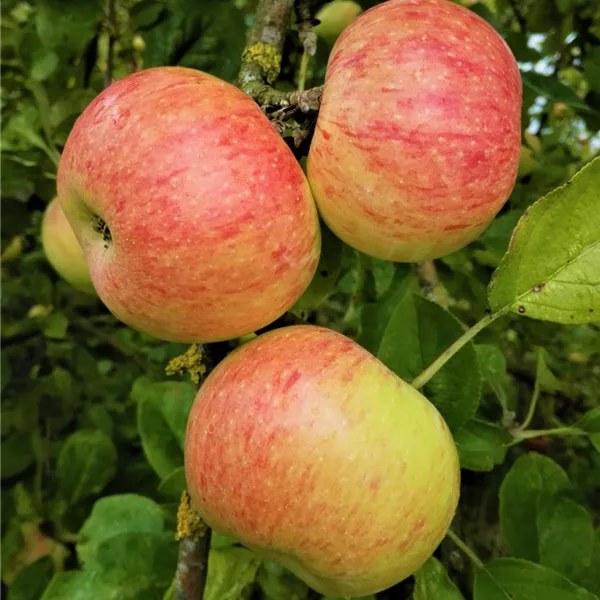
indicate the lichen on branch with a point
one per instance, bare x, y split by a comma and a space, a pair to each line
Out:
261, 59
194, 545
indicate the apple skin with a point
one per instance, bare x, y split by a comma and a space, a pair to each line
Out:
334, 17
306, 448
214, 231
417, 140
63, 250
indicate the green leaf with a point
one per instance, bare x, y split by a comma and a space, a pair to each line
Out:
44, 64
566, 534
375, 316
553, 89
492, 363
6, 371
513, 579
590, 578
77, 585
142, 561
55, 326
550, 271
163, 410
205, 36
328, 269
481, 445
591, 68
16, 454
114, 515
86, 463
432, 583
69, 24
590, 421
544, 376
417, 333
532, 480
230, 572
382, 272
277, 583
172, 485
30, 582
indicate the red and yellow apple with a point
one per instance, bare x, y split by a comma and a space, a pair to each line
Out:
334, 17
63, 250
417, 141
307, 449
196, 219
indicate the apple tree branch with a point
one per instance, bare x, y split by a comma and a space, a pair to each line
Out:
261, 59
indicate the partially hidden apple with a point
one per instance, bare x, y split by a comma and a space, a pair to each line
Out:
334, 17
417, 141
63, 250
307, 449
195, 217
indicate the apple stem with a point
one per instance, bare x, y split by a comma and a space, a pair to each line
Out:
521, 435
463, 546
420, 380
261, 60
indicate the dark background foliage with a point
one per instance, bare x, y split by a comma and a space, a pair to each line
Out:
92, 427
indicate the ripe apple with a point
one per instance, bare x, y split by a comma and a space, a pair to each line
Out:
417, 141
334, 17
63, 250
310, 451
195, 217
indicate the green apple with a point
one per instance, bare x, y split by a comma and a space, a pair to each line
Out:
334, 17
307, 449
63, 250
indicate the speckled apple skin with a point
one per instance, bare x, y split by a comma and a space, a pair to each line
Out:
307, 449
214, 228
63, 250
417, 141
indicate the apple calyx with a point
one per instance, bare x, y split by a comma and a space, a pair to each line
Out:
99, 225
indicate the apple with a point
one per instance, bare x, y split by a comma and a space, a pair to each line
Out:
63, 250
417, 141
334, 17
307, 449
195, 217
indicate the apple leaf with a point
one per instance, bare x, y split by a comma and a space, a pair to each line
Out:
432, 583
481, 445
532, 480
551, 88
277, 582
566, 536
375, 316
590, 422
29, 584
114, 515
16, 453
172, 485
514, 579
492, 363
328, 269
230, 572
416, 334
163, 410
590, 578
86, 463
550, 271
